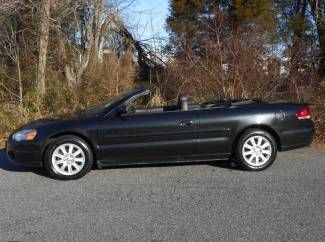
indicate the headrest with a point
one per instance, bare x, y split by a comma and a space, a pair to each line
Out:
183, 102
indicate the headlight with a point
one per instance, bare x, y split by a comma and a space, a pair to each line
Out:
25, 135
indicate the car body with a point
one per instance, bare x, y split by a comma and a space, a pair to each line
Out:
114, 134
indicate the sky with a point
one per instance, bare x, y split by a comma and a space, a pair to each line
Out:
147, 19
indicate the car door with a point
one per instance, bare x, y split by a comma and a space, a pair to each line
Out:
215, 132
147, 137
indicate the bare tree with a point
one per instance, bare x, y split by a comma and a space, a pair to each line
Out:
11, 49
78, 38
9, 6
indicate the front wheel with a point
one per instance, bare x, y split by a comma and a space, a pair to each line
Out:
256, 150
68, 158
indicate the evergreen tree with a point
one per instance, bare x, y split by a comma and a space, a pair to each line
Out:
189, 19
183, 21
254, 13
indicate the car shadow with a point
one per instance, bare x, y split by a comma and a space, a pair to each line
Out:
7, 165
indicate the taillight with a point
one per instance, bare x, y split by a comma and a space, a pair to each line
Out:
304, 113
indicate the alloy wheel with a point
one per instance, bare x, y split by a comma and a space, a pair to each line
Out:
257, 150
68, 159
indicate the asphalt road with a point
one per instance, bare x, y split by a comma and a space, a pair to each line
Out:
199, 202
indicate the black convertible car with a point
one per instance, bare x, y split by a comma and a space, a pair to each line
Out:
117, 132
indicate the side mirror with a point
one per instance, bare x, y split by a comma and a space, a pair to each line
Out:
121, 110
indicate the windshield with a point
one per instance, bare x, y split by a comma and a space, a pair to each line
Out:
98, 109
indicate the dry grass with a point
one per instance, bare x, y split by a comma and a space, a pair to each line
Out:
318, 114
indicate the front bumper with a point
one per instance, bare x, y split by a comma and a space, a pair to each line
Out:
25, 153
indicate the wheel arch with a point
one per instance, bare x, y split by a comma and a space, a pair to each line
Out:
58, 135
266, 128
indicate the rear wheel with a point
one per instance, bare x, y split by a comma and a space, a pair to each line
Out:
256, 150
68, 158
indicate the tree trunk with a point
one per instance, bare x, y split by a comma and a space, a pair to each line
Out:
97, 32
320, 21
321, 33
318, 10
296, 49
68, 70
43, 44
20, 83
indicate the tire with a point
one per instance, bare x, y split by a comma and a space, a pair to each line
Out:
256, 150
68, 158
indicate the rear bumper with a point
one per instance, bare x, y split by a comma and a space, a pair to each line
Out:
295, 146
297, 138
24, 153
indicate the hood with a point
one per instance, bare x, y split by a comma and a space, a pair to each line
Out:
57, 121
40, 122
50, 120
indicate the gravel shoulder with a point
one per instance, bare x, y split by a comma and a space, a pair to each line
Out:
198, 202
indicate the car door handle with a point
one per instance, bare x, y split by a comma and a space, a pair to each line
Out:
186, 123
